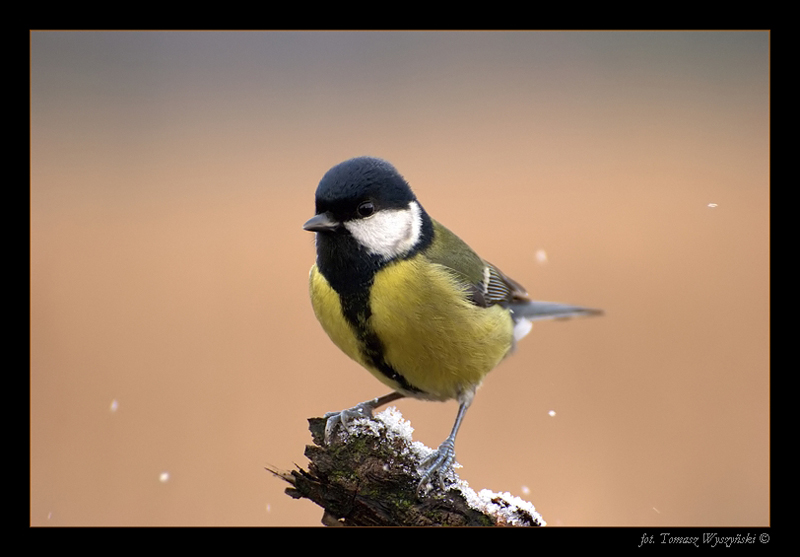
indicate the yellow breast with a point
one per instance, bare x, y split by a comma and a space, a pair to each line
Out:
435, 338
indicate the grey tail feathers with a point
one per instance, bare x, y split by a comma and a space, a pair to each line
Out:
537, 311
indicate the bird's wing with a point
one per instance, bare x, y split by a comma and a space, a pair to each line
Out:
484, 283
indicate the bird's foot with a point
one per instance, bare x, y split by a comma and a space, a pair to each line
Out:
440, 462
363, 410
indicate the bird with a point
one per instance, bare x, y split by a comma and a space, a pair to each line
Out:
408, 300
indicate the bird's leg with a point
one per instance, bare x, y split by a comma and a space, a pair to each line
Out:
358, 411
442, 459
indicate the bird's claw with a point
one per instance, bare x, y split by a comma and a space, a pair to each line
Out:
440, 462
363, 410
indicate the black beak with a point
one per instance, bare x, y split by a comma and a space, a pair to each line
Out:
321, 223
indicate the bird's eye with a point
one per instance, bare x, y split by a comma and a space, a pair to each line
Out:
365, 209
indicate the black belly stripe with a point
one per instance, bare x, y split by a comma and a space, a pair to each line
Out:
350, 271
357, 312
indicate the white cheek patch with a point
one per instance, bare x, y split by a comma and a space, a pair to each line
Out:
390, 233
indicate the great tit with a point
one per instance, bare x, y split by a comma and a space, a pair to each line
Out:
407, 299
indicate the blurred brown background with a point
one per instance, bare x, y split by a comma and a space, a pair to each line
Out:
174, 352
